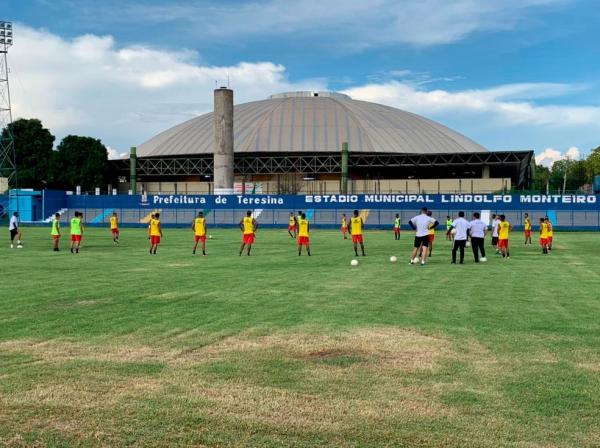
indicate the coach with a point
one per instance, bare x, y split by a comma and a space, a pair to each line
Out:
462, 227
478, 229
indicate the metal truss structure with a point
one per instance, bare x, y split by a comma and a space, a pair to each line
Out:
8, 164
247, 164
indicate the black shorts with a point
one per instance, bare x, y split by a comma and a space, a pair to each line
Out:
494, 241
422, 241
13, 233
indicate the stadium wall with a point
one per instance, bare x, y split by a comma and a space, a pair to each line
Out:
569, 212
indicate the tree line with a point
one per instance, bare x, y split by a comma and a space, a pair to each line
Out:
578, 173
76, 160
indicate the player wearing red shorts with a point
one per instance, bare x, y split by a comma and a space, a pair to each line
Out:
527, 224
248, 226
199, 228
550, 232
292, 226
544, 235
356, 230
504, 228
397, 227
55, 232
114, 227
303, 231
76, 232
431, 234
156, 233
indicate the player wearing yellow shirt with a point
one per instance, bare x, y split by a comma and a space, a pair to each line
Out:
397, 227
76, 232
292, 225
550, 232
248, 226
114, 227
199, 228
344, 226
303, 231
504, 228
527, 224
55, 232
356, 230
155, 233
544, 235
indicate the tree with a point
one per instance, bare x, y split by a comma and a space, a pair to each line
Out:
33, 149
592, 164
576, 176
80, 161
541, 175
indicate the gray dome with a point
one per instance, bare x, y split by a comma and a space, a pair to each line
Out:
313, 122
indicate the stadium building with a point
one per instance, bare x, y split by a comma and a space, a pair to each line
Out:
292, 143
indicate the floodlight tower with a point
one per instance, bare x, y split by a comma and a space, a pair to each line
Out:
8, 163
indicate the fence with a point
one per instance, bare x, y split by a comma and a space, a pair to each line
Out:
577, 212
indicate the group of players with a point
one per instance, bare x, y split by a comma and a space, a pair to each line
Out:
459, 231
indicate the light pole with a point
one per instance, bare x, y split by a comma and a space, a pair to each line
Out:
8, 163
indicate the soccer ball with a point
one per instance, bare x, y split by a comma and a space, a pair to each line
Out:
393, 259
19, 246
210, 237
354, 263
468, 244
484, 259
453, 231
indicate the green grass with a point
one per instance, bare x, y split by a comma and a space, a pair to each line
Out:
115, 347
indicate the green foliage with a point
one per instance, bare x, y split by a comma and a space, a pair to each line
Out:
592, 164
33, 148
80, 161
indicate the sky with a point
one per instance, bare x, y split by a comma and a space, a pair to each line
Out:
510, 74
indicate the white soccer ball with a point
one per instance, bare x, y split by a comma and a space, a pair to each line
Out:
354, 263
210, 237
468, 244
19, 247
484, 259
453, 231
416, 260
393, 259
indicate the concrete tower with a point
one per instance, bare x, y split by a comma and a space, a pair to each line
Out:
223, 150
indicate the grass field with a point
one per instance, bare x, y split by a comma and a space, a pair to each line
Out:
115, 347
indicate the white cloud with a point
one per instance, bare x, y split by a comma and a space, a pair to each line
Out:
505, 105
124, 96
115, 154
550, 155
354, 24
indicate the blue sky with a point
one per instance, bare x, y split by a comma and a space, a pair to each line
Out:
510, 74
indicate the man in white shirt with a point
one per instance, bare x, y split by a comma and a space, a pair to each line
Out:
495, 226
478, 230
15, 232
421, 224
462, 227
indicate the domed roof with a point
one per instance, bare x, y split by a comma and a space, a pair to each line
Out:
313, 122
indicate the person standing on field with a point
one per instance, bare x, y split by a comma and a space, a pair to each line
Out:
55, 232
550, 232
344, 226
156, 233
248, 226
449, 236
527, 225
356, 230
495, 225
462, 227
303, 234
114, 228
292, 226
421, 224
397, 227
199, 228
76, 232
478, 231
15, 231
504, 228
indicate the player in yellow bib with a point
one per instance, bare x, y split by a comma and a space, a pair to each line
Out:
356, 230
292, 225
156, 233
76, 232
544, 235
527, 226
55, 232
199, 228
344, 226
504, 228
114, 227
550, 232
303, 231
248, 226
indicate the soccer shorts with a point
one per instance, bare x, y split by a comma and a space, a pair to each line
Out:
303, 241
396, 230
527, 233
550, 240
494, 241
115, 231
76, 238
199, 238
357, 239
13, 233
55, 237
154, 239
543, 241
421, 241
344, 229
503, 244
290, 228
248, 238
431, 237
